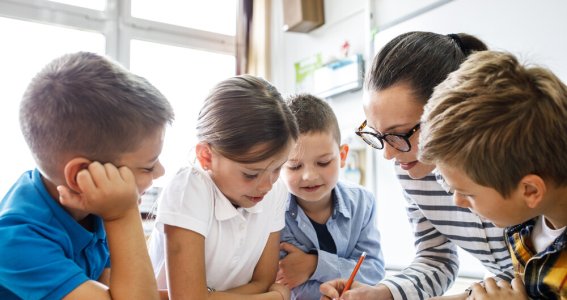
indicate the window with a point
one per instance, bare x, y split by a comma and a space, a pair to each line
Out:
171, 43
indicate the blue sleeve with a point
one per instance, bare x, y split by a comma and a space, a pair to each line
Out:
309, 290
33, 264
331, 266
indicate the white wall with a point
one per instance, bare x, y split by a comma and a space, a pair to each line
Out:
536, 31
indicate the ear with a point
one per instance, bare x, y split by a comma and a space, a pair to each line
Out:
71, 169
204, 155
343, 152
533, 190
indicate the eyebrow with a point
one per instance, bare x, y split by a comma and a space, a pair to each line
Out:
390, 129
153, 160
264, 169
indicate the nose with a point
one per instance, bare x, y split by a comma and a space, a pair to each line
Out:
265, 182
460, 201
309, 173
389, 152
159, 170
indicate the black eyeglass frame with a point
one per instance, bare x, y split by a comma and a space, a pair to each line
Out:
384, 137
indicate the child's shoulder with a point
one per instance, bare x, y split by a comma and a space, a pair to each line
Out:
351, 186
351, 191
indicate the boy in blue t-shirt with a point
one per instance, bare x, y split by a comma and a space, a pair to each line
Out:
95, 131
329, 223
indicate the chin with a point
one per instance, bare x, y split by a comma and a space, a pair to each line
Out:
419, 171
417, 174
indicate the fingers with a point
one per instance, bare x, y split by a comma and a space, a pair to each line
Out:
503, 284
287, 247
330, 289
69, 198
490, 285
517, 284
477, 289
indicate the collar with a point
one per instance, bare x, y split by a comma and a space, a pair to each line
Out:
224, 209
339, 206
525, 230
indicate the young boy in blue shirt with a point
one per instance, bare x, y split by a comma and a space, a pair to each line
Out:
95, 131
496, 131
329, 223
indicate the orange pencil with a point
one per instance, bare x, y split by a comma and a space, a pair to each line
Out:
353, 274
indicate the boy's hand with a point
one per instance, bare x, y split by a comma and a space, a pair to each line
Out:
280, 288
358, 291
296, 267
498, 290
105, 190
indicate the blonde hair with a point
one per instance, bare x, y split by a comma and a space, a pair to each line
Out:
498, 121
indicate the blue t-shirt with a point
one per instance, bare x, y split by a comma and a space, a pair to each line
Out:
44, 252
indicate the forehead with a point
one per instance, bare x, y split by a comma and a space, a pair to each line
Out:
273, 161
148, 150
455, 177
315, 143
392, 106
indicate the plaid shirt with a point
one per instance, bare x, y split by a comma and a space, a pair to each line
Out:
545, 273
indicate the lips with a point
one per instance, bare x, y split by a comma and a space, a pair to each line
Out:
311, 188
407, 166
256, 199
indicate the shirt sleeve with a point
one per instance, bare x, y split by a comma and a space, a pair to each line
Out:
34, 263
187, 202
435, 265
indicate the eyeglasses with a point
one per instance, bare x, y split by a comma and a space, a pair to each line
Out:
399, 141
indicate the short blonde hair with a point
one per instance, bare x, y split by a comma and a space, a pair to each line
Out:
498, 121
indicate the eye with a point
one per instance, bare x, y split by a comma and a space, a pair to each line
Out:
250, 176
324, 164
149, 170
293, 167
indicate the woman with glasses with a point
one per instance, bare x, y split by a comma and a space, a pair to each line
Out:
399, 83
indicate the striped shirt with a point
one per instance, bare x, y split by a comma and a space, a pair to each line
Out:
439, 226
544, 273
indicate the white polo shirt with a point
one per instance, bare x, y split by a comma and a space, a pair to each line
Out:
234, 237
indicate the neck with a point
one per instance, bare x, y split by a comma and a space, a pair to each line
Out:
556, 210
52, 191
319, 211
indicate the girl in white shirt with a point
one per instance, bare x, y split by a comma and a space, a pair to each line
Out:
218, 222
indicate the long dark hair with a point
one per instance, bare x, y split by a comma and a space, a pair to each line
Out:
421, 59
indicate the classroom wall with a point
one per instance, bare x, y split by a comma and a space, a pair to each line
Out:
535, 31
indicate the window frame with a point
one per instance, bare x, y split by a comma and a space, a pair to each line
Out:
117, 25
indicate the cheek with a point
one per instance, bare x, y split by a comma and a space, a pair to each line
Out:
143, 182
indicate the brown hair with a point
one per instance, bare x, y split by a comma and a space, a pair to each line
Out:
244, 111
498, 121
85, 104
421, 59
314, 115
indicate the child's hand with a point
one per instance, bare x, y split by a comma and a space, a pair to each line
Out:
105, 190
280, 288
296, 267
498, 290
